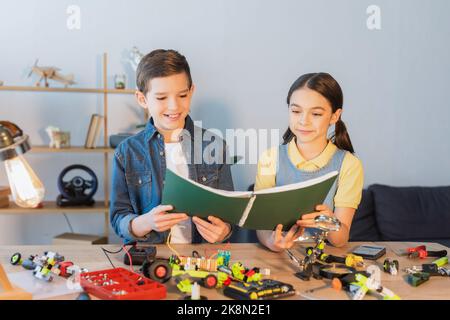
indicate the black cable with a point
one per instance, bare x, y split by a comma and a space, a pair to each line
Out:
111, 252
68, 222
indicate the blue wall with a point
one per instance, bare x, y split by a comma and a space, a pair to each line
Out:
243, 55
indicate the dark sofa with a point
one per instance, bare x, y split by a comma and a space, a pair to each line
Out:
403, 214
388, 213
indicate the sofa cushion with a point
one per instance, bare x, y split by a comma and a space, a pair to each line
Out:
364, 226
412, 213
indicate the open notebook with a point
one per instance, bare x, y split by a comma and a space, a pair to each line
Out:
259, 210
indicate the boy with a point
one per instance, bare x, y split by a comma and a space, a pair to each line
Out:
165, 89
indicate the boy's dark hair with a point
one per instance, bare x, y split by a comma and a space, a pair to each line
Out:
160, 63
329, 88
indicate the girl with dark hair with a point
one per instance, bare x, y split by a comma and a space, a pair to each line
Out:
315, 102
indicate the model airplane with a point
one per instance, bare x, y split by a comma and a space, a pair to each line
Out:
50, 73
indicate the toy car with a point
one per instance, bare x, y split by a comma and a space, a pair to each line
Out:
200, 269
259, 290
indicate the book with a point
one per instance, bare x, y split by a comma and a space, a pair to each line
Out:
98, 126
93, 131
90, 132
258, 210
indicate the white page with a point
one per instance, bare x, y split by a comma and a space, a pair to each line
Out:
299, 185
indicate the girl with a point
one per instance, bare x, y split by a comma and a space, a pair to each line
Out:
315, 102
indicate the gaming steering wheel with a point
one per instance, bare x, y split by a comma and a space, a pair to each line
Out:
77, 191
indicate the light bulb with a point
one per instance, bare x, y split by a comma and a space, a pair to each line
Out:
26, 189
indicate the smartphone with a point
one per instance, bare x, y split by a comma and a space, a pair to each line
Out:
370, 252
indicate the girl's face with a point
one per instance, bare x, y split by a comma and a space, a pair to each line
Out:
310, 115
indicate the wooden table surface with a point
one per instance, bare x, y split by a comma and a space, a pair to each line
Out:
254, 255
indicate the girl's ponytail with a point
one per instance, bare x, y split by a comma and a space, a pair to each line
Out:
288, 136
341, 138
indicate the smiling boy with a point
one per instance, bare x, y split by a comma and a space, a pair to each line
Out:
165, 89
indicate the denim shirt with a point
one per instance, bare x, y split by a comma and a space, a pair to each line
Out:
139, 168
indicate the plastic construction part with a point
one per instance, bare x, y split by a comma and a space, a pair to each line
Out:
261, 290
391, 266
422, 253
139, 255
16, 259
441, 261
418, 278
121, 284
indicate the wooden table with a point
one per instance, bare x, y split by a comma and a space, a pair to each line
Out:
254, 255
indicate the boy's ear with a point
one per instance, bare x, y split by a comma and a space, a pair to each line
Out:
141, 99
336, 116
192, 89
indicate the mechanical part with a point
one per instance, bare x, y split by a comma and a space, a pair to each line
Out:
139, 255
422, 253
158, 270
391, 266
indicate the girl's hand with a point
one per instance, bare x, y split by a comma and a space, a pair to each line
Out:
213, 232
277, 242
307, 220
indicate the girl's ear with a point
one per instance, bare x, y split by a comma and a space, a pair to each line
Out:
336, 116
141, 99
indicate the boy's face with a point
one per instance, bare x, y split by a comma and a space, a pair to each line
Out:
168, 101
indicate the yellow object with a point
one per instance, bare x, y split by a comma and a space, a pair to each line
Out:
354, 261
441, 261
351, 176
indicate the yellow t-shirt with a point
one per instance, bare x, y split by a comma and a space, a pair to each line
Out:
351, 176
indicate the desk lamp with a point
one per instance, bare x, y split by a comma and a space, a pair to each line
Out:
26, 188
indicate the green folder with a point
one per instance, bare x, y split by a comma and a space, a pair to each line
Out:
259, 210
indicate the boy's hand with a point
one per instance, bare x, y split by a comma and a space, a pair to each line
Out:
157, 219
307, 220
212, 232
277, 242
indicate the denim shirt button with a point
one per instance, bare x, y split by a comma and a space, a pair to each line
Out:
203, 178
161, 153
140, 181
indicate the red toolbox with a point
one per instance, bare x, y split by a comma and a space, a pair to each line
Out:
121, 284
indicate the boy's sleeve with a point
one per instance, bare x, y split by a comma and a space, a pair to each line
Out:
121, 211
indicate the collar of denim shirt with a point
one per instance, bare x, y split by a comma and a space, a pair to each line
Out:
150, 129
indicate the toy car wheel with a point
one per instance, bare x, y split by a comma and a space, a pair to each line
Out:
210, 281
15, 258
396, 264
159, 270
